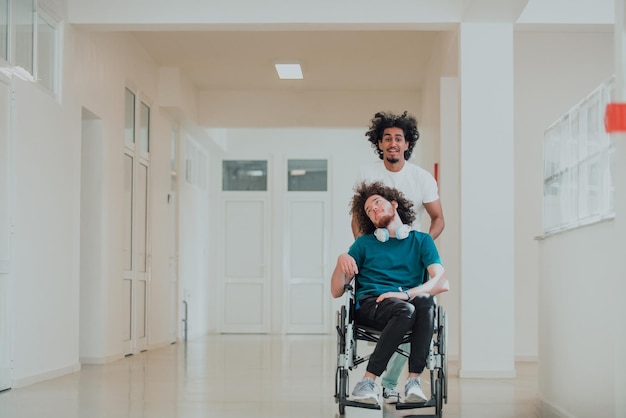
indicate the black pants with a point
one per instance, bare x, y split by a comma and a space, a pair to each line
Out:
395, 317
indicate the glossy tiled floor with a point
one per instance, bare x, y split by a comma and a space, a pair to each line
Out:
239, 376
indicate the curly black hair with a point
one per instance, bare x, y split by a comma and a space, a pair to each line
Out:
363, 191
382, 121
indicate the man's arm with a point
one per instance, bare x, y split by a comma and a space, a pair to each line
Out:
437, 222
438, 282
345, 270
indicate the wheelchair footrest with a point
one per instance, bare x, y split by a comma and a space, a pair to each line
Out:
348, 402
413, 405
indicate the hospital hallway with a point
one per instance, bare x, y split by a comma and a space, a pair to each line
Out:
237, 376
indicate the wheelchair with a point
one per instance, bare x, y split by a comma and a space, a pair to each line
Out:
348, 333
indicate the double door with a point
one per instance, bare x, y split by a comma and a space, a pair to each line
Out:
274, 270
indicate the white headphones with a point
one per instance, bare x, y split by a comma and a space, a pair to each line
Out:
402, 232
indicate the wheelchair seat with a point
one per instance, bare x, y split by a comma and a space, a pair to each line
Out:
349, 332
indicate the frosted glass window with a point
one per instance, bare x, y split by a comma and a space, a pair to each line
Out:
129, 127
24, 33
4, 29
307, 175
250, 175
46, 53
144, 130
578, 165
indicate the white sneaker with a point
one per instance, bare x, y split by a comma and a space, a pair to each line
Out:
390, 396
413, 391
365, 391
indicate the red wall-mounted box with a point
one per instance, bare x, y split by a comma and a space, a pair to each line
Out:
615, 117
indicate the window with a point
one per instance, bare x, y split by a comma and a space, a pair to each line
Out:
4, 30
244, 175
129, 125
578, 165
29, 42
46, 52
144, 129
307, 175
24, 31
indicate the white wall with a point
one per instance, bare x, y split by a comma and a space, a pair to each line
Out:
195, 260
296, 108
46, 270
578, 280
553, 71
575, 345
44, 288
103, 66
93, 300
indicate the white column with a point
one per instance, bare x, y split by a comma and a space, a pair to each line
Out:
487, 261
449, 243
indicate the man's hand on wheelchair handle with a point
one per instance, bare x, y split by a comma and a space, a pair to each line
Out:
348, 266
345, 270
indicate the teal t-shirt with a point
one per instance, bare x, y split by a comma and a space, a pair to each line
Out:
389, 266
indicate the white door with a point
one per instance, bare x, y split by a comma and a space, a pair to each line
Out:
306, 275
141, 294
245, 265
5, 335
136, 227
127, 255
136, 259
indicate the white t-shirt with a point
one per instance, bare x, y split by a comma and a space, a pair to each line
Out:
417, 184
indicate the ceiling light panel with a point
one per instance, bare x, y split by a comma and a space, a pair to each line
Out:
289, 71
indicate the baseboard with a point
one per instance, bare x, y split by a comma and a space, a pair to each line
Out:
27, 381
161, 344
100, 360
486, 374
548, 410
518, 358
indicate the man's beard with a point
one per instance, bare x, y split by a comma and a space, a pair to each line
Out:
384, 221
393, 160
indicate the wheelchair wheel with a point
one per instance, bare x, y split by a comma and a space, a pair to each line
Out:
341, 331
341, 378
343, 390
439, 395
443, 350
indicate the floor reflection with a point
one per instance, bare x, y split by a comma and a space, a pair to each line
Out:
239, 376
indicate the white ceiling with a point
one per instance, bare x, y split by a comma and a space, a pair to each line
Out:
331, 60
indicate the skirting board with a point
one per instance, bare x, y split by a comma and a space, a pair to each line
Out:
548, 410
101, 360
30, 380
486, 374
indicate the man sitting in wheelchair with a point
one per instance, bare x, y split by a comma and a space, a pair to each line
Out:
388, 262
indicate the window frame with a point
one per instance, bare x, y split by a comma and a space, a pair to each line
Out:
578, 159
